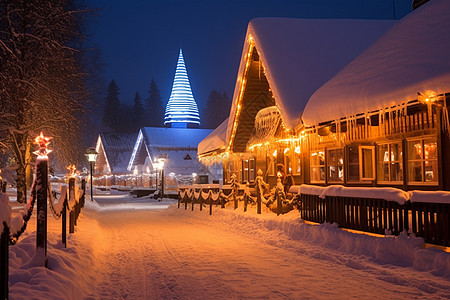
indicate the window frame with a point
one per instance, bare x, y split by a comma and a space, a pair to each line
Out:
361, 163
422, 161
297, 164
337, 164
390, 162
319, 166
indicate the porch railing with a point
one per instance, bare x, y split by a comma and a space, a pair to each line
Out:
430, 221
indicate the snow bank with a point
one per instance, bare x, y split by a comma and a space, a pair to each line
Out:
403, 250
309, 189
5, 210
389, 194
430, 196
67, 275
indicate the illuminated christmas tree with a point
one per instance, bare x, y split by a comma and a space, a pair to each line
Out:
181, 110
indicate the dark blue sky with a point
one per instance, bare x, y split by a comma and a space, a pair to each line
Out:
139, 40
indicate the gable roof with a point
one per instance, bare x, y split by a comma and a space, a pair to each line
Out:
117, 149
299, 55
215, 141
173, 143
413, 56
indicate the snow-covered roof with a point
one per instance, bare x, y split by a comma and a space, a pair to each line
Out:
413, 56
175, 144
175, 137
215, 140
117, 149
300, 55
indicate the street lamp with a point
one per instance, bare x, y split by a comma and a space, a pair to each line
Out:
91, 155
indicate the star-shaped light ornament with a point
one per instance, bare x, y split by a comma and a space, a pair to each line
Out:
72, 170
43, 142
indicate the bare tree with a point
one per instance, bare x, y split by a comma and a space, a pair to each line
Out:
42, 83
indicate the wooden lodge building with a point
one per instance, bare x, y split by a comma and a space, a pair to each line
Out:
348, 102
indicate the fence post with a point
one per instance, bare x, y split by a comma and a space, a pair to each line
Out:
185, 201
222, 202
210, 202
279, 204
179, 199
41, 195
200, 198
258, 197
234, 189
83, 187
193, 200
64, 222
72, 211
245, 202
4, 257
246, 195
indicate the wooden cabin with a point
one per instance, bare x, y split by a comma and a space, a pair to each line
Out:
284, 61
383, 120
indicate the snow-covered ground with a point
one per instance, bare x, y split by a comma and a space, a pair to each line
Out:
127, 248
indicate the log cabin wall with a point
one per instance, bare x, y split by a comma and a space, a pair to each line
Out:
404, 147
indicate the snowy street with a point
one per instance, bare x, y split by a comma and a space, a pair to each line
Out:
142, 251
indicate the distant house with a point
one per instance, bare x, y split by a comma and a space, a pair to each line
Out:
175, 148
114, 152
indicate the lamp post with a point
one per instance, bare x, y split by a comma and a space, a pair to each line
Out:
161, 161
91, 155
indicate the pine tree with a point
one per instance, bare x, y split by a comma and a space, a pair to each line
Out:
138, 113
111, 113
154, 108
216, 110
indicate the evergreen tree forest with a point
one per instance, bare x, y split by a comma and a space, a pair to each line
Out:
216, 110
121, 117
154, 107
138, 113
112, 110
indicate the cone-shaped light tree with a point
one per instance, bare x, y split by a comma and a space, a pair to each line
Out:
181, 109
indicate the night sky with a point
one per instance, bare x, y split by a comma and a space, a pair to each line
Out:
139, 40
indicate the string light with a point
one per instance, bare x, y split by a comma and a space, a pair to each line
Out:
241, 93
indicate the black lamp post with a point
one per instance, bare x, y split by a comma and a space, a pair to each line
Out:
161, 162
91, 155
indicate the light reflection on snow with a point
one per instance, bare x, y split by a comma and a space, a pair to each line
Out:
132, 206
125, 202
111, 196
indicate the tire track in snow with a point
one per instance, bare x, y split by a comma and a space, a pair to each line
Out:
152, 255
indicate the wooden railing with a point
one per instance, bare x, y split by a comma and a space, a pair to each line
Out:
428, 220
361, 129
